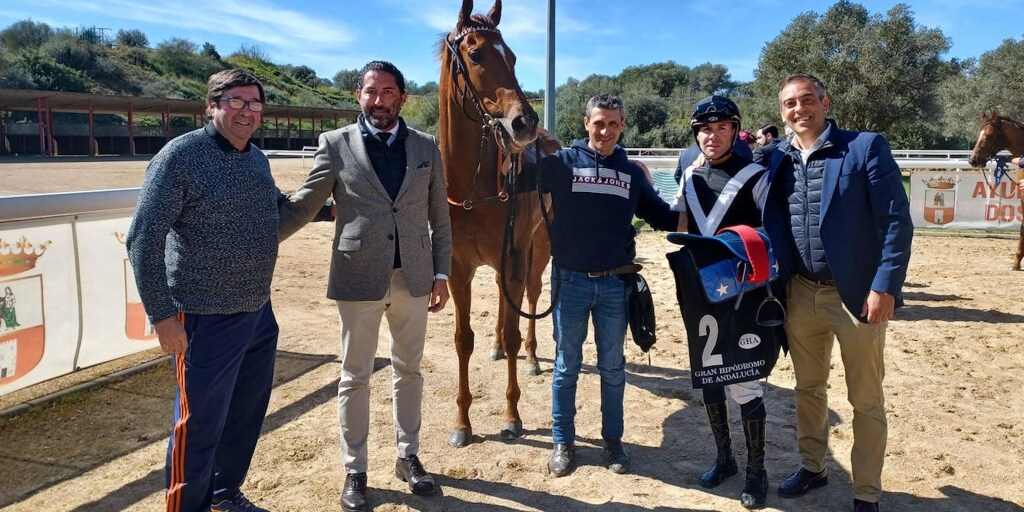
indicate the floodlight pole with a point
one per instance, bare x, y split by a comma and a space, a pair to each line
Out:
549, 88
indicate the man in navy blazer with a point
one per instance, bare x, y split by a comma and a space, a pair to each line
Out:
839, 221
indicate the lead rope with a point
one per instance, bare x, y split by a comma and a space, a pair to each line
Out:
508, 241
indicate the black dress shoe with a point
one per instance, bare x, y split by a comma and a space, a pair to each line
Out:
411, 470
864, 506
353, 498
802, 481
561, 459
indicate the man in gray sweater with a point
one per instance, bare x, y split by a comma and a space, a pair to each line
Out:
203, 245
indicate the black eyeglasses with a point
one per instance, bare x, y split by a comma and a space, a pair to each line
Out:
239, 103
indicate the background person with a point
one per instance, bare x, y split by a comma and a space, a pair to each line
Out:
595, 192
748, 139
839, 221
203, 245
391, 257
767, 136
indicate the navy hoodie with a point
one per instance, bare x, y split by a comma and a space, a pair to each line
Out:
594, 199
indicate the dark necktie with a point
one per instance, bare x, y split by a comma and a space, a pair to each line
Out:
384, 137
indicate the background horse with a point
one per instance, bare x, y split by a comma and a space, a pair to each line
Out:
999, 133
484, 120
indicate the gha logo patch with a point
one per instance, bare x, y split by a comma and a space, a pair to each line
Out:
749, 341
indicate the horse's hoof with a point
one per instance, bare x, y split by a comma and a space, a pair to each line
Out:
531, 369
511, 431
461, 438
496, 354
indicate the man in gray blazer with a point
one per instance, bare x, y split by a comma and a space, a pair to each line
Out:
391, 256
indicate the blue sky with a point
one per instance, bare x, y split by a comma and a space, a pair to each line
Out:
592, 36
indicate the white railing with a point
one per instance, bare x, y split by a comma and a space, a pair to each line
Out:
907, 154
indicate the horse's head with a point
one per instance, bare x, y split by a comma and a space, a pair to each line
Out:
991, 140
481, 71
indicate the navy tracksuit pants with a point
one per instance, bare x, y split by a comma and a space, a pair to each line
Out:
223, 388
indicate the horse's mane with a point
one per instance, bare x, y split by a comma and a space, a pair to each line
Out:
476, 22
1018, 124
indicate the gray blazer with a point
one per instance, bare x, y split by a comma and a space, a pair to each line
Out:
364, 245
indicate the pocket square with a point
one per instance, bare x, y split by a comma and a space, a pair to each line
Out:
423, 165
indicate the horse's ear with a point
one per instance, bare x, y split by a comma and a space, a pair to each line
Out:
495, 14
465, 15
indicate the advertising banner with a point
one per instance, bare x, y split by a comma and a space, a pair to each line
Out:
965, 199
38, 302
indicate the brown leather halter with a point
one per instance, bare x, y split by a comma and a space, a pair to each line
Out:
508, 164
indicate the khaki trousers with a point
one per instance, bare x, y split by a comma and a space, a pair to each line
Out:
360, 327
815, 318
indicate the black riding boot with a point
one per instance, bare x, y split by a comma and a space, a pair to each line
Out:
755, 491
725, 464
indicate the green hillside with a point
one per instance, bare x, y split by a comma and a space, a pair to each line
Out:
34, 55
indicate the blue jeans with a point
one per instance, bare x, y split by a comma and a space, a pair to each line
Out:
604, 298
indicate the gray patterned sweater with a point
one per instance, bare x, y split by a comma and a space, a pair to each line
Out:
204, 236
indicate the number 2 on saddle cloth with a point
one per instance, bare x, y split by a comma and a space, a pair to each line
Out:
727, 287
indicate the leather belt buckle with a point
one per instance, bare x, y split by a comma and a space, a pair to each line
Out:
826, 282
603, 273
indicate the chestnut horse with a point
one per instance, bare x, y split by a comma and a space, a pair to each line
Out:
486, 121
999, 133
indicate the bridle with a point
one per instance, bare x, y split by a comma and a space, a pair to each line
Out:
492, 128
1000, 171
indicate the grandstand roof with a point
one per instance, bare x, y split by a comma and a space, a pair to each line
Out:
76, 102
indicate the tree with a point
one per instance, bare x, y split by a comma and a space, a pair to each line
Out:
71, 51
253, 52
25, 34
881, 72
210, 51
661, 78
50, 75
133, 38
708, 78
304, 74
571, 104
11, 77
347, 80
180, 57
988, 84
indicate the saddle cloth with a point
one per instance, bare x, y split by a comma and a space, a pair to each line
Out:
726, 287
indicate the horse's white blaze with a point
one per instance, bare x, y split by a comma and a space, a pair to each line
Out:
504, 55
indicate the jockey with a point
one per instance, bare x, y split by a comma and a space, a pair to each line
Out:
726, 189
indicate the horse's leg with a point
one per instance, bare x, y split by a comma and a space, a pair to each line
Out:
497, 353
1020, 242
511, 340
460, 284
540, 253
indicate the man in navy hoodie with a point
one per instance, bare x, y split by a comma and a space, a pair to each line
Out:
595, 192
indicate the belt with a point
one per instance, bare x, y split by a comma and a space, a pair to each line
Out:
821, 282
632, 268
